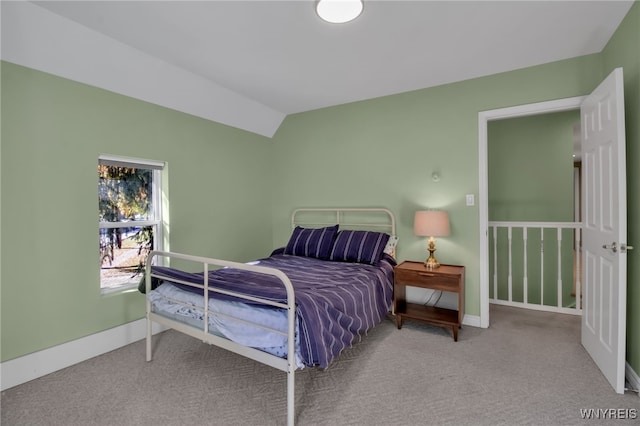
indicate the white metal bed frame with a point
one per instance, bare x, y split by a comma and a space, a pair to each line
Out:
384, 219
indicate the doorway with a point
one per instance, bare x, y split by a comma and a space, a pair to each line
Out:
533, 234
483, 203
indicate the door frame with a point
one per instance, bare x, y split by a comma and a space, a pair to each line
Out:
559, 105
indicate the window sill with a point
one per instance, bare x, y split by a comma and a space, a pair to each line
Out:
111, 291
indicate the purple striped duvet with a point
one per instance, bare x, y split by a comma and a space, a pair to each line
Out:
337, 302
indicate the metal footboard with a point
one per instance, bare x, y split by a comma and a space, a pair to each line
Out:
287, 365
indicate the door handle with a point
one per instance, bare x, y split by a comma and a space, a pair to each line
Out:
614, 247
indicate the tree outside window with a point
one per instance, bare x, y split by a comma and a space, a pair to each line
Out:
129, 219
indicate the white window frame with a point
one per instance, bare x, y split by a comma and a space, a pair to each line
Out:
157, 168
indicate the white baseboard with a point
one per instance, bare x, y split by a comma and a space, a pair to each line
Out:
632, 378
472, 320
25, 368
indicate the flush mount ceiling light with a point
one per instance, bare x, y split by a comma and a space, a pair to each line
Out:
339, 11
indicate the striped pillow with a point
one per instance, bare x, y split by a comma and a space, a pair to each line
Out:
359, 246
311, 242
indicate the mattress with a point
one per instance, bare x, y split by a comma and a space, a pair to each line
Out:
229, 319
336, 302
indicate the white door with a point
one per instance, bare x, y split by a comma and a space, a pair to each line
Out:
605, 228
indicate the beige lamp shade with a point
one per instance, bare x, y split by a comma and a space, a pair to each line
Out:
431, 223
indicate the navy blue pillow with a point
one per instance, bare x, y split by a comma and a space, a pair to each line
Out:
311, 242
359, 246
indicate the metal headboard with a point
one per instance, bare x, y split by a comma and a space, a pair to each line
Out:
381, 218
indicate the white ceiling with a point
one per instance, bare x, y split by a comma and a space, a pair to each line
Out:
282, 55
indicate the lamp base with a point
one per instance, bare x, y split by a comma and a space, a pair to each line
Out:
431, 262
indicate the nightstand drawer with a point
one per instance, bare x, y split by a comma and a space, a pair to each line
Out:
427, 279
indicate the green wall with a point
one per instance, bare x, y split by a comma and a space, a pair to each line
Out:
623, 50
53, 131
530, 168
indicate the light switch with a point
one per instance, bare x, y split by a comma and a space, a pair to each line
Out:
470, 200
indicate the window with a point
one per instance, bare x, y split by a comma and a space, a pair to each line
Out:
129, 219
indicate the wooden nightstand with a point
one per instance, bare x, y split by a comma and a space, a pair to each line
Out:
445, 278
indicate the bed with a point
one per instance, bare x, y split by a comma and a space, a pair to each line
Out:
299, 307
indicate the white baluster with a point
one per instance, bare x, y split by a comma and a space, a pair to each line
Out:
541, 266
495, 263
525, 279
578, 269
510, 281
559, 267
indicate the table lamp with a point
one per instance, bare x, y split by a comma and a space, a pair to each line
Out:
431, 223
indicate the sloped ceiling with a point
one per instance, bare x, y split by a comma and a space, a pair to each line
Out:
250, 63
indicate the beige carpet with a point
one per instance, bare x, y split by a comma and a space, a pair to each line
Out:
528, 368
